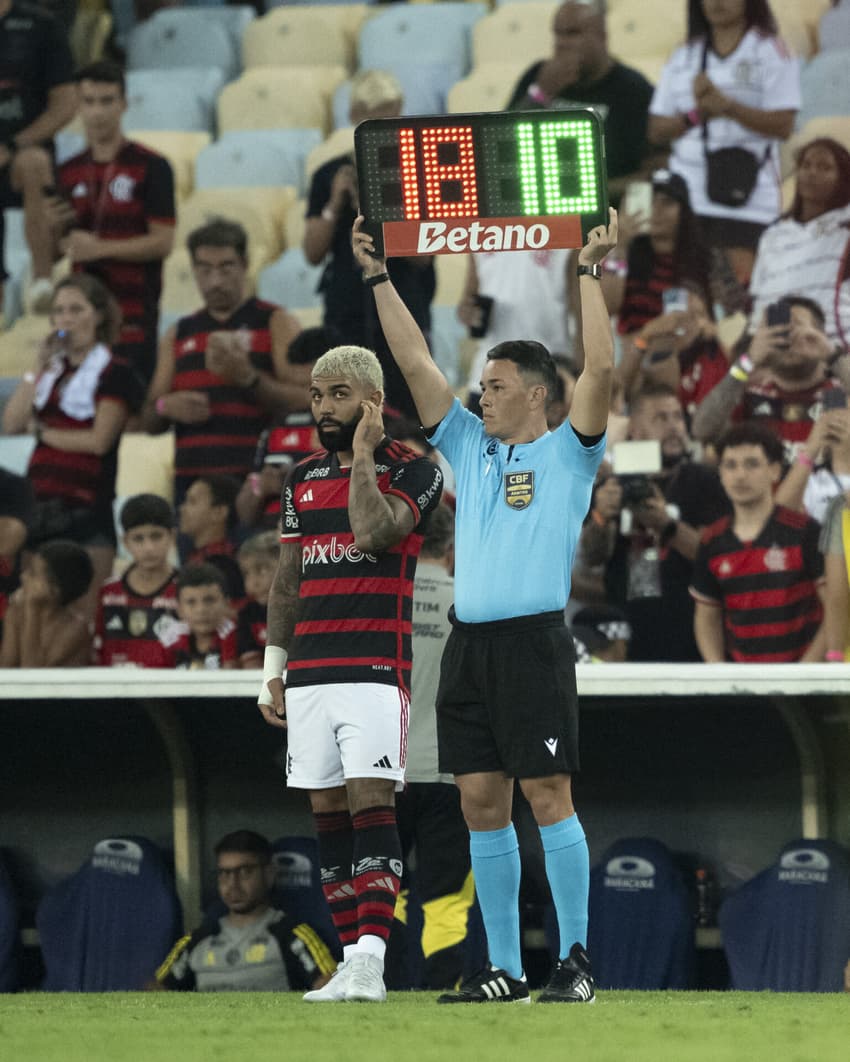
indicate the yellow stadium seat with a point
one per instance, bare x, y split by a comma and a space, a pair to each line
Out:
340, 142
294, 36
645, 27
451, 277
833, 127
487, 88
179, 291
268, 97
181, 149
260, 211
293, 225
307, 316
798, 22
516, 33
145, 465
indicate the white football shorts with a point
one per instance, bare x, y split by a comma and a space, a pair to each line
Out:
345, 730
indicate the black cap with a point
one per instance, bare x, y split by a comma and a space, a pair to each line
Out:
669, 183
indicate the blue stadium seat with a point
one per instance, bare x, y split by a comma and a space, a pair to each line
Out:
825, 86
8, 932
107, 927
269, 157
641, 932
187, 38
298, 887
291, 281
425, 86
427, 43
788, 929
172, 99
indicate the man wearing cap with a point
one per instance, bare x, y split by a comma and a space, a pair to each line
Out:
582, 71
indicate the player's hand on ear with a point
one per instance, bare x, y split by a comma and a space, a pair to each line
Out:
364, 250
600, 240
370, 428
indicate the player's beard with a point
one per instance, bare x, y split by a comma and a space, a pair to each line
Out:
342, 438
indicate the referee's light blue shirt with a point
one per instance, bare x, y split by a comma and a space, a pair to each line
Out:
519, 515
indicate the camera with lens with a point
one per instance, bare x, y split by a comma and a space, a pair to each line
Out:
636, 490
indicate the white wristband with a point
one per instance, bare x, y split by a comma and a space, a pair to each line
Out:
274, 665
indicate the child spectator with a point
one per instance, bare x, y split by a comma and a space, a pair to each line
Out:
207, 518
16, 509
46, 625
136, 609
758, 575
258, 563
205, 639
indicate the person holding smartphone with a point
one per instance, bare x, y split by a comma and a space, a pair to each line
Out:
780, 379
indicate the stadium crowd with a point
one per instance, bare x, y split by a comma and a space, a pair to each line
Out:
717, 527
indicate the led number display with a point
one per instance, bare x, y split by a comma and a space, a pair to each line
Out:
479, 182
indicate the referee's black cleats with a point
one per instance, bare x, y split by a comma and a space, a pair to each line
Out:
490, 985
571, 980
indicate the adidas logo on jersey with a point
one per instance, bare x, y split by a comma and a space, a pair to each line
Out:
307, 496
115, 624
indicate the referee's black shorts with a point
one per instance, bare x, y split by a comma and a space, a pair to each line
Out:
507, 698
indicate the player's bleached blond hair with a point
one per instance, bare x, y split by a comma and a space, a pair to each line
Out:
357, 363
371, 89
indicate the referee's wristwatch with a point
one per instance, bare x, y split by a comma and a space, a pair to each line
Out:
594, 271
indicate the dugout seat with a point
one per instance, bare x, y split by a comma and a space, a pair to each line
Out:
107, 927
788, 929
640, 931
8, 931
298, 886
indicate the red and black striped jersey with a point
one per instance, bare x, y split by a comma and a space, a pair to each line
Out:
788, 414
767, 588
81, 479
643, 294
183, 654
225, 443
355, 609
130, 626
117, 200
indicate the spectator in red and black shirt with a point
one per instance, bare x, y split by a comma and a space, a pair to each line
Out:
340, 622
76, 401
205, 637
258, 563
135, 609
118, 198
758, 576
223, 372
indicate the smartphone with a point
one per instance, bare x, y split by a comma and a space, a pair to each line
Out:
675, 300
485, 304
834, 398
638, 198
779, 313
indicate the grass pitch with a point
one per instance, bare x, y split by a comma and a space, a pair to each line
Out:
410, 1027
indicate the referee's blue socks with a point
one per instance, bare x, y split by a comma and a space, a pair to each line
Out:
496, 868
568, 871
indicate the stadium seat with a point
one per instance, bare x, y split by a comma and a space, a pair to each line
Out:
834, 27
89, 34
67, 143
340, 142
298, 888
640, 931
8, 932
448, 337
294, 223
436, 36
172, 99
123, 20
307, 316
171, 40
451, 276
293, 36
107, 927
275, 97
181, 150
645, 27
261, 215
19, 345
257, 157
825, 87
836, 128
291, 281
146, 462
233, 18
788, 929
519, 34
487, 88
425, 87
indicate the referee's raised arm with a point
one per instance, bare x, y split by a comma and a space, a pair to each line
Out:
592, 397
428, 386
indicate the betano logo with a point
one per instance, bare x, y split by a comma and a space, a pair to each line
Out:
462, 235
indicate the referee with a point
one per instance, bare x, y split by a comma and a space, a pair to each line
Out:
507, 705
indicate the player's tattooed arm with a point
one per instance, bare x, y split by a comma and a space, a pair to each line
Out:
283, 596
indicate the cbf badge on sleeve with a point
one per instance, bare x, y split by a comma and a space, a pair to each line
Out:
519, 489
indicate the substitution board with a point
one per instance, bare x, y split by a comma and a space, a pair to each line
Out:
450, 184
